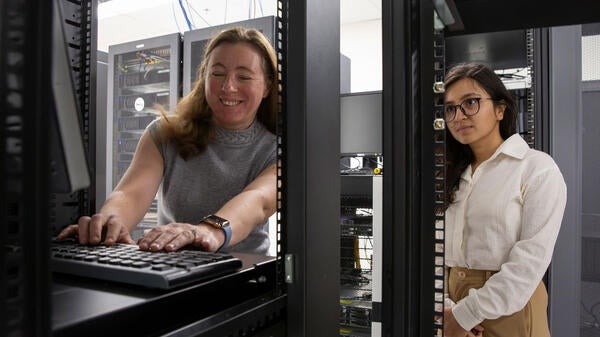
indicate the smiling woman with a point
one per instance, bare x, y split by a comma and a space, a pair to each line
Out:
236, 85
238, 67
214, 159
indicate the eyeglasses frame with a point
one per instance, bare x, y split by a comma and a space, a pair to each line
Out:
478, 99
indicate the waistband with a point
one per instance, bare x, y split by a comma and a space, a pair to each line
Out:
461, 273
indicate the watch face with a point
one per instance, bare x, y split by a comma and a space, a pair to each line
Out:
216, 221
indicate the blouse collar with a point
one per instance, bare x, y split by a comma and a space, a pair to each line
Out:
514, 146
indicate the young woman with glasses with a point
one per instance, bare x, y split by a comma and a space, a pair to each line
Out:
505, 206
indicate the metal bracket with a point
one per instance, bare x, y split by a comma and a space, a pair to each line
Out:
439, 124
289, 268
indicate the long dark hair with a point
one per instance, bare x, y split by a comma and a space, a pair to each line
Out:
459, 156
191, 128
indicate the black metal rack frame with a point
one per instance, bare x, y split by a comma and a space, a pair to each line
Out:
309, 150
29, 213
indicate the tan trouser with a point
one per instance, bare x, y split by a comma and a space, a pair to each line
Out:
531, 321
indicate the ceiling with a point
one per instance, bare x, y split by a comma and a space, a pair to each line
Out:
218, 10
129, 20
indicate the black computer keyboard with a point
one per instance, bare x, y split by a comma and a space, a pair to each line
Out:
128, 264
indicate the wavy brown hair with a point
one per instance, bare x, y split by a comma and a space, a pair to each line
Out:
191, 128
459, 156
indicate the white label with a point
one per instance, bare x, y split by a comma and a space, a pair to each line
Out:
139, 104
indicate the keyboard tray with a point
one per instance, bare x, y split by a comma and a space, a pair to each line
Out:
128, 264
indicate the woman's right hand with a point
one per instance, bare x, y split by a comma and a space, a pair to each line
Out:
96, 229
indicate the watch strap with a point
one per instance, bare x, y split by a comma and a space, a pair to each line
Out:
227, 231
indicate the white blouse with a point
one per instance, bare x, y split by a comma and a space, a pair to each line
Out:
505, 217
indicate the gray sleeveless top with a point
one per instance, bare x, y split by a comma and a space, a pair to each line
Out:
202, 184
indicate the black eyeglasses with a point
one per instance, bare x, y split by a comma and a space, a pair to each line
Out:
469, 107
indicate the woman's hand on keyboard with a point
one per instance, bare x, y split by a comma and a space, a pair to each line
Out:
175, 236
96, 229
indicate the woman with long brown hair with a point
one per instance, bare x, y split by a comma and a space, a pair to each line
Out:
505, 207
212, 163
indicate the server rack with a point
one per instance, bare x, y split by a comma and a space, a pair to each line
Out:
439, 176
356, 255
30, 213
24, 168
310, 166
194, 42
360, 255
67, 207
511, 55
408, 183
361, 165
518, 79
534, 96
142, 74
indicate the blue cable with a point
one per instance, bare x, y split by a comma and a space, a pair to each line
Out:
190, 12
185, 15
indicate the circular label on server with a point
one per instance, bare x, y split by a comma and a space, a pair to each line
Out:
139, 104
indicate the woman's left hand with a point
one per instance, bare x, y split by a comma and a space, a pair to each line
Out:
453, 329
175, 235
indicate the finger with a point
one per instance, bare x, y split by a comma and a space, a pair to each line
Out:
149, 238
183, 239
126, 237
167, 234
83, 229
96, 224
68, 231
477, 331
113, 230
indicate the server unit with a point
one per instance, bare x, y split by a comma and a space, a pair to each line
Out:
360, 254
142, 75
194, 42
361, 165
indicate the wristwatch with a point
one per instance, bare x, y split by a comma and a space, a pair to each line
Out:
220, 223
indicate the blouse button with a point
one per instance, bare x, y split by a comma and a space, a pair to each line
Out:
462, 274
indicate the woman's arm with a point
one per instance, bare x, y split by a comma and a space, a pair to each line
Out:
252, 206
129, 201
